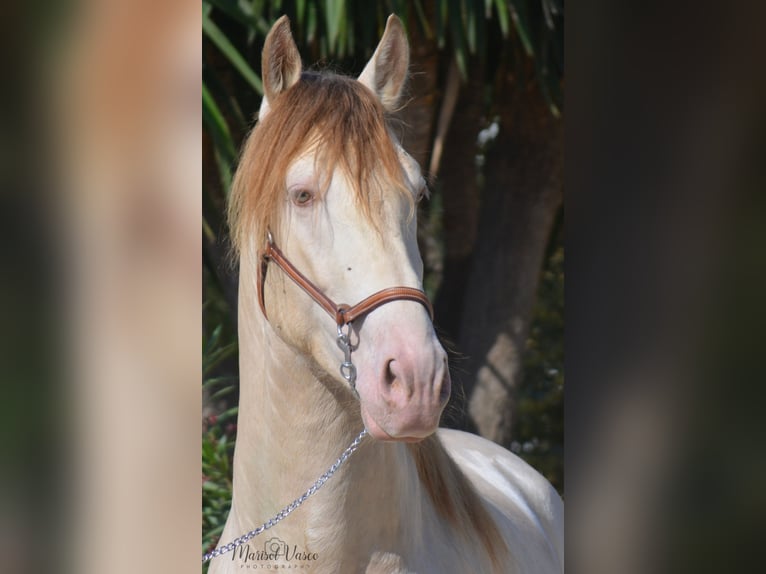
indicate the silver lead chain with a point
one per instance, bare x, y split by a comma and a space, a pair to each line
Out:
290, 507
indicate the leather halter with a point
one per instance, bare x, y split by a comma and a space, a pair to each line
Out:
342, 314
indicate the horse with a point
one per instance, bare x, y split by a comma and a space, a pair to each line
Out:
322, 209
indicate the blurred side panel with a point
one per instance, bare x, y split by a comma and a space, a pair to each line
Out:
666, 275
125, 99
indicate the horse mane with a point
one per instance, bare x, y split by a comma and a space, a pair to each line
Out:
455, 499
338, 117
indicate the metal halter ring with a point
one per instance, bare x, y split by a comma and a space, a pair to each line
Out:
347, 368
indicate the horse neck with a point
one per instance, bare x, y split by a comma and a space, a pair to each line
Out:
291, 429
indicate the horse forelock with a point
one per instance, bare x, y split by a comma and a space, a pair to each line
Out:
344, 123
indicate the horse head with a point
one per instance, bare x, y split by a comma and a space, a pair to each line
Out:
323, 178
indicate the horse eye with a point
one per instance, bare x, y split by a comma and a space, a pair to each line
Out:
303, 197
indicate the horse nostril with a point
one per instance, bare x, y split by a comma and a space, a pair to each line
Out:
389, 375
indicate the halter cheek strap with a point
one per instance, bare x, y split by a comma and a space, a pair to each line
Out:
342, 314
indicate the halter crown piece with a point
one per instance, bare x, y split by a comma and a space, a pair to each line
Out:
342, 314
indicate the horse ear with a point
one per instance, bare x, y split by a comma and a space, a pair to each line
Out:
386, 71
280, 63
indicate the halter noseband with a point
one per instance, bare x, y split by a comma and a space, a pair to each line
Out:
342, 314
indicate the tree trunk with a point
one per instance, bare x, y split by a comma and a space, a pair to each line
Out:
500, 271
458, 184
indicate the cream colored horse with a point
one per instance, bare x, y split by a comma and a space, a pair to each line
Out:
323, 174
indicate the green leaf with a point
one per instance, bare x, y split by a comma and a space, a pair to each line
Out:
214, 33
212, 341
215, 489
214, 122
231, 8
400, 9
300, 15
216, 357
549, 86
258, 8
218, 380
334, 18
224, 97
556, 7
222, 393
345, 40
218, 529
224, 169
311, 23
441, 23
471, 24
520, 19
548, 14
458, 37
502, 16
481, 30
423, 20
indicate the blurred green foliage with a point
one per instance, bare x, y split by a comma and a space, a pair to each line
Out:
219, 434
539, 426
